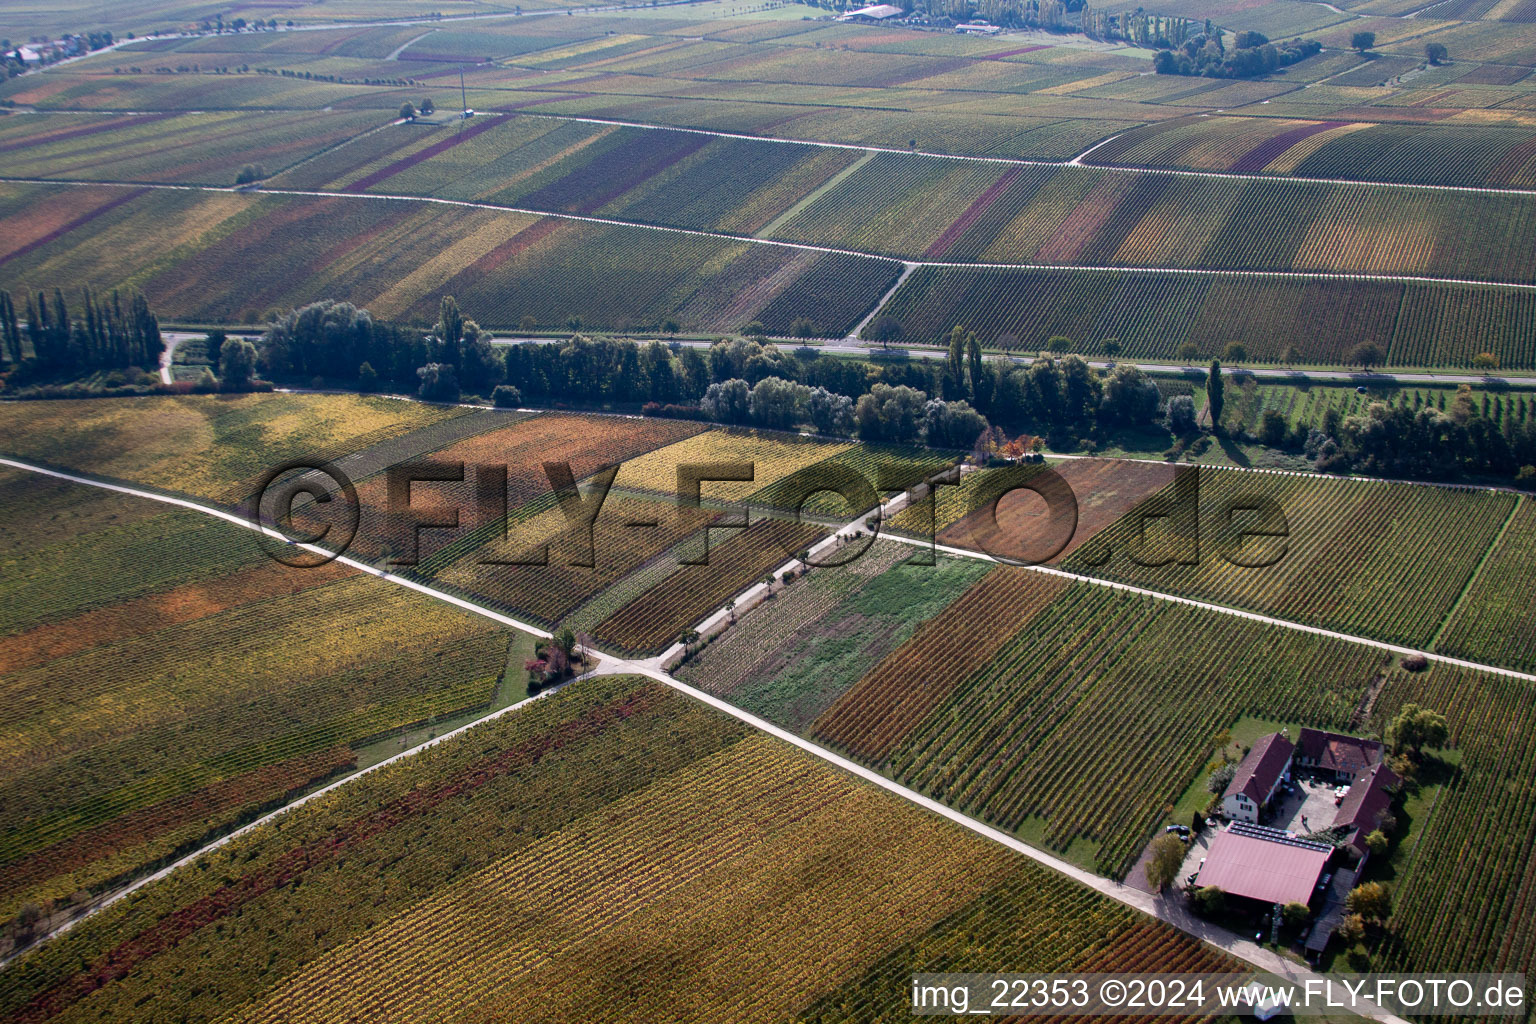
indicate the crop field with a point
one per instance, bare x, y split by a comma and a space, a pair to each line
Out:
1074, 714
211, 447
225, 257
1153, 314
651, 622
164, 684
479, 833
1496, 617
204, 149
1380, 560
1500, 156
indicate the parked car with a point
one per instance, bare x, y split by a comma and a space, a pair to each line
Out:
1339, 793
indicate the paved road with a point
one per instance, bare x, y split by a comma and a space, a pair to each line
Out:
854, 347
1168, 909
1373, 378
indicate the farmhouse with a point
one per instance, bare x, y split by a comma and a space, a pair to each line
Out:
1258, 777
1363, 807
1264, 864
1343, 758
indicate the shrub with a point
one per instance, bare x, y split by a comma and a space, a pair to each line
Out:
506, 396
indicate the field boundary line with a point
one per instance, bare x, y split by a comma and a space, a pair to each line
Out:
1304, 275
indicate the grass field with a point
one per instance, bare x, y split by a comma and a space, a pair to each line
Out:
657, 802
164, 682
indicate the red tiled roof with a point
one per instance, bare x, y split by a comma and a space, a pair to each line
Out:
1258, 771
1244, 864
1337, 752
1365, 803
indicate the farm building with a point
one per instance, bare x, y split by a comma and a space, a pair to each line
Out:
873, 13
1363, 806
1345, 758
1264, 864
1258, 777
977, 28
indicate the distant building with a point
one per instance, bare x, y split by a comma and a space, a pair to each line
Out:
874, 13
977, 28
1257, 778
1344, 758
28, 55
1264, 864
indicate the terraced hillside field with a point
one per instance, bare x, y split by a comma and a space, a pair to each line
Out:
736, 905
165, 682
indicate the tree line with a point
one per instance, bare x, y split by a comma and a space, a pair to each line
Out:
1252, 54
50, 340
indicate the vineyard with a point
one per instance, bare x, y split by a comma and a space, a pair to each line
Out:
1310, 408
586, 444
964, 211
772, 456
651, 622
1466, 900
988, 511
1379, 560
211, 447
1496, 618
230, 258
1495, 156
165, 684
206, 149
738, 905
1076, 714
1153, 315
